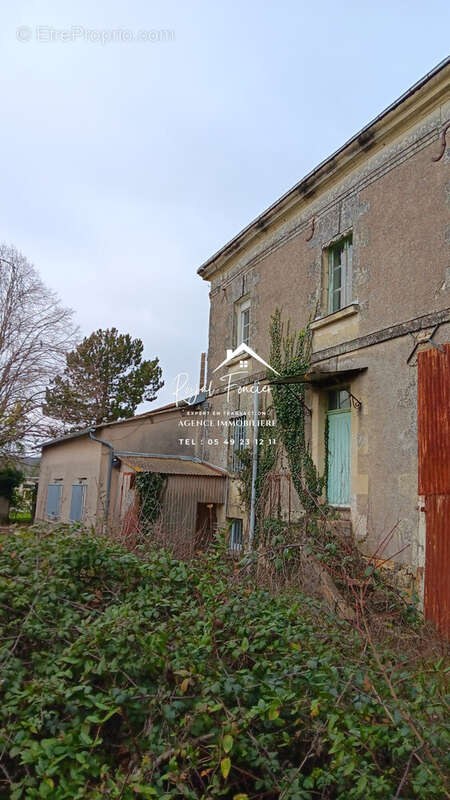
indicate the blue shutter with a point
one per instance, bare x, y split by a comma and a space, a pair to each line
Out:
53, 500
338, 484
77, 502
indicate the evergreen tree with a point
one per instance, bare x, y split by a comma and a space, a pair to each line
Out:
104, 380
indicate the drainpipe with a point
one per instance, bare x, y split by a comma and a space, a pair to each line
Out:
251, 534
110, 466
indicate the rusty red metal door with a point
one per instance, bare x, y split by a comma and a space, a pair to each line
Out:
433, 407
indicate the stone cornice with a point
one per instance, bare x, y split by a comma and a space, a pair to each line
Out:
409, 108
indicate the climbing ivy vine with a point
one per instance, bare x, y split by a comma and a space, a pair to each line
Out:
267, 457
290, 355
150, 487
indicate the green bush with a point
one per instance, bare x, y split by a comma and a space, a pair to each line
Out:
127, 677
10, 478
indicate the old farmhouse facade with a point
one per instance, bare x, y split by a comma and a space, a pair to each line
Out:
358, 250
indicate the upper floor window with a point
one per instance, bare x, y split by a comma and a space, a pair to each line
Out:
340, 274
243, 322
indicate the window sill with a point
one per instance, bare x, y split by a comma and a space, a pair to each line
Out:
336, 316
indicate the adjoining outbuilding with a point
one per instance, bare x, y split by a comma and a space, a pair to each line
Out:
185, 499
89, 476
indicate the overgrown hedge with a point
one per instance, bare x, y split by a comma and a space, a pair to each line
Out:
127, 677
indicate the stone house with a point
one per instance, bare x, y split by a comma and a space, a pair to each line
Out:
359, 251
359, 248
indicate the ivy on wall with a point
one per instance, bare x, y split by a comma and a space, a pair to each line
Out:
267, 458
290, 355
150, 488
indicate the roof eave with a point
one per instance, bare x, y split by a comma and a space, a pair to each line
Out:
186, 402
362, 141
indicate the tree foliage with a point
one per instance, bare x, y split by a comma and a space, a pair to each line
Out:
127, 677
35, 333
104, 380
10, 478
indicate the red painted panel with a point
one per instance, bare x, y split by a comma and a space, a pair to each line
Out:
433, 417
437, 562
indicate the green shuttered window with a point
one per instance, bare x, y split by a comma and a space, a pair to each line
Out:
340, 274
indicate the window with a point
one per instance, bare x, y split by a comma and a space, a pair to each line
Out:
77, 501
53, 507
338, 399
238, 437
243, 323
236, 537
340, 274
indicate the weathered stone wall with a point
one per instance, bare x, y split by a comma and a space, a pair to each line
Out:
397, 204
396, 201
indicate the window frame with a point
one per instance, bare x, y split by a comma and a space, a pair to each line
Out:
241, 308
345, 267
237, 527
342, 404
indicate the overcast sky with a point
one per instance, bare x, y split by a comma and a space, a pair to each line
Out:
125, 164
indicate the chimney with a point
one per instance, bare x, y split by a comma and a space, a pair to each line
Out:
202, 371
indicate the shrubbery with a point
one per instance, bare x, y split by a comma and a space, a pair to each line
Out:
10, 478
127, 677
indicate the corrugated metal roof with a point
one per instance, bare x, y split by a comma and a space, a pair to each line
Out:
173, 466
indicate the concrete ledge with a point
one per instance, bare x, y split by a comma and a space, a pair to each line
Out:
383, 335
343, 313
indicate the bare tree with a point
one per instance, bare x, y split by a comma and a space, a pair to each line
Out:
35, 334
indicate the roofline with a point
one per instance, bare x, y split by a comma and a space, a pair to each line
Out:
193, 460
363, 139
200, 398
67, 436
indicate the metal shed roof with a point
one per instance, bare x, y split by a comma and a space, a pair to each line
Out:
173, 466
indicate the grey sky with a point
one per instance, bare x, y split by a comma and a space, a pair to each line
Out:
125, 165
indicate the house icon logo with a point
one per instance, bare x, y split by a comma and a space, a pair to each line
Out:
243, 352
